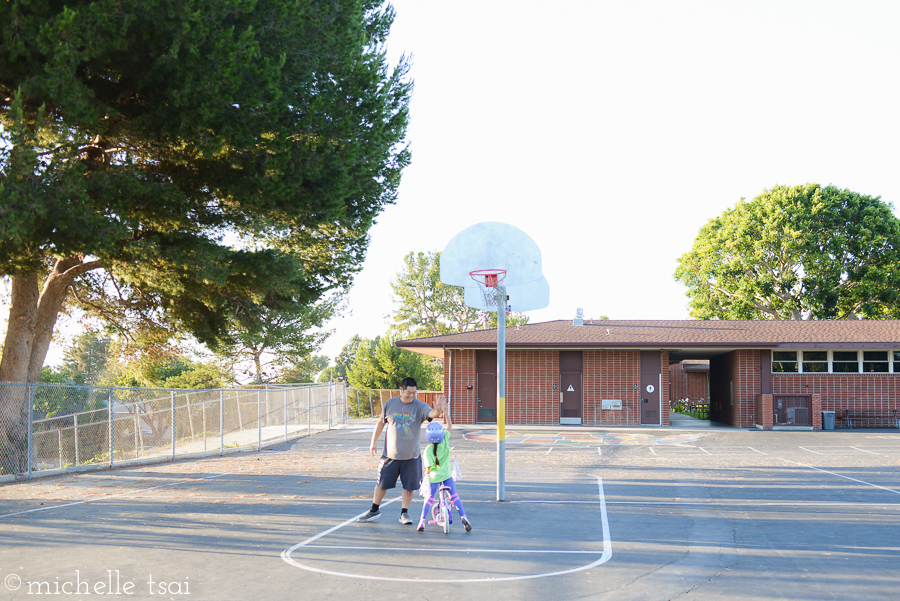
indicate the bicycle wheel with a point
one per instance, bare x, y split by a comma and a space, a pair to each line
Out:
436, 511
445, 511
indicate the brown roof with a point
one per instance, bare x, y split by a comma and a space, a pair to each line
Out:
675, 334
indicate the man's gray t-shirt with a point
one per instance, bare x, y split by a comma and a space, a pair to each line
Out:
404, 426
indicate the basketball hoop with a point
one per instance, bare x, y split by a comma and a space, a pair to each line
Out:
488, 281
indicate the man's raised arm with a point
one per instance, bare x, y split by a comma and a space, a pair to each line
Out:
438, 408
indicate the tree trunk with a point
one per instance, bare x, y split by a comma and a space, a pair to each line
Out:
257, 363
53, 296
14, 406
32, 317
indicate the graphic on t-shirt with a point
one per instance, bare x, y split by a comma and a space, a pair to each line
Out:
402, 422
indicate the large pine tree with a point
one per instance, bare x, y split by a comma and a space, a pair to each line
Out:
196, 159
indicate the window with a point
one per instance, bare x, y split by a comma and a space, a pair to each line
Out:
835, 362
875, 361
815, 361
784, 362
845, 362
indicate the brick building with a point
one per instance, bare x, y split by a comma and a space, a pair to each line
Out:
689, 380
764, 374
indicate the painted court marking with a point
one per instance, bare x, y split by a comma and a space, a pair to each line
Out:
605, 555
896, 492
834, 450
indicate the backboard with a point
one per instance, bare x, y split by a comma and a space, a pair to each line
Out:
524, 297
491, 245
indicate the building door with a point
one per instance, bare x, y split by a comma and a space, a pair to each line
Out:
486, 386
571, 366
651, 382
570, 398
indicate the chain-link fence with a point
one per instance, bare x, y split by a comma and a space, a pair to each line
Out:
369, 402
51, 428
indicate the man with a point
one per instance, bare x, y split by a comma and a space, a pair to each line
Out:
401, 456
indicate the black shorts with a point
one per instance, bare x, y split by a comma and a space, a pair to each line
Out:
408, 470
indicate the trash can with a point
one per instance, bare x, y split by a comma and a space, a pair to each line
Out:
828, 420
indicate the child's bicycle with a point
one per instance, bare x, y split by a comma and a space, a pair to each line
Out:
441, 511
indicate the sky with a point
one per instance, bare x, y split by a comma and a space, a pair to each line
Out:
610, 132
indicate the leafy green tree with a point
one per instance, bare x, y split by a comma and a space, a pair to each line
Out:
380, 364
512, 319
344, 360
51, 401
425, 306
86, 356
306, 369
796, 252
135, 134
198, 376
272, 342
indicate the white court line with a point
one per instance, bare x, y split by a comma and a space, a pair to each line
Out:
600, 451
605, 556
865, 451
704, 450
816, 452
446, 550
354, 449
896, 492
721, 504
548, 451
652, 451
760, 452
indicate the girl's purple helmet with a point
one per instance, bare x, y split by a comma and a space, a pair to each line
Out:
434, 432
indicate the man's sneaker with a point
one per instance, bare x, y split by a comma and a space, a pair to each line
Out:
371, 516
467, 525
421, 527
404, 518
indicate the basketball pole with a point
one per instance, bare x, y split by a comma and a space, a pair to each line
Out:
501, 394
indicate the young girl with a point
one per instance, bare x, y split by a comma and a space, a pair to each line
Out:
438, 470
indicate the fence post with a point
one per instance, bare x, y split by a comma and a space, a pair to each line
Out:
203, 432
309, 411
221, 422
187, 401
259, 419
284, 398
30, 449
237, 399
140, 423
76, 440
137, 448
330, 400
109, 415
59, 433
371, 409
172, 394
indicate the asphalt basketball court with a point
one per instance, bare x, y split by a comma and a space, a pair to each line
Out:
589, 513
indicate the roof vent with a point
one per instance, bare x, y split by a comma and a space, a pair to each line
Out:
579, 317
